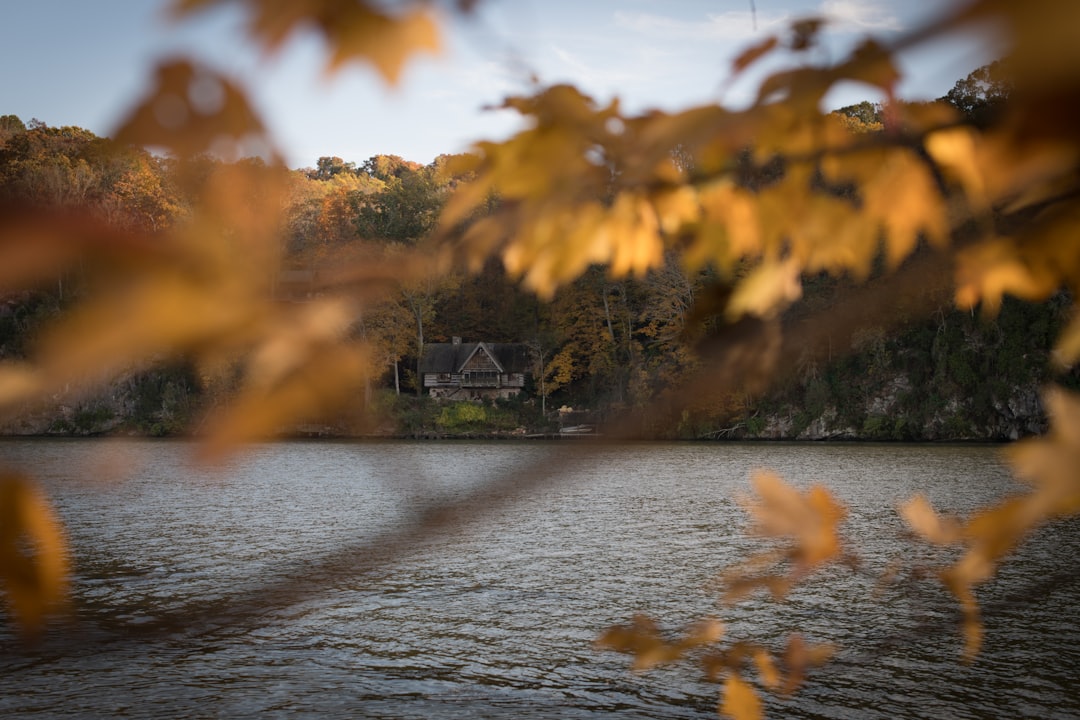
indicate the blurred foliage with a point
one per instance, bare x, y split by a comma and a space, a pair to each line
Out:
680, 252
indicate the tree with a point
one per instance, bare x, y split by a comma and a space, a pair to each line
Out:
330, 167
983, 94
10, 125
589, 199
865, 112
388, 327
405, 209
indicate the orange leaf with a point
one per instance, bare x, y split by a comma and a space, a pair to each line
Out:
770, 676
955, 150
920, 516
191, 110
740, 702
352, 30
799, 656
753, 53
810, 519
766, 290
34, 564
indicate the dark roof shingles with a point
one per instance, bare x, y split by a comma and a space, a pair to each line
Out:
448, 357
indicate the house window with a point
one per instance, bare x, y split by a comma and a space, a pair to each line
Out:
443, 377
481, 378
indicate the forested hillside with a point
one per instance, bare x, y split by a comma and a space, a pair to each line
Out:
609, 346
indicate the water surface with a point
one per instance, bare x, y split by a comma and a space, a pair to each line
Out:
272, 589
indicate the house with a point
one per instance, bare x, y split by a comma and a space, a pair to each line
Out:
474, 371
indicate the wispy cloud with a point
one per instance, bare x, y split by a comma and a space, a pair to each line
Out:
738, 25
592, 74
844, 16
860, 16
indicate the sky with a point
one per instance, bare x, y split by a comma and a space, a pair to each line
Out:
73, 62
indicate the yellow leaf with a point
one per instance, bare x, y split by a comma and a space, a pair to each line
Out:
165, 313
386, 41
767, 290
35, 247
328, 378
957, 582
192, 110
799, 656
989, 270
809, 518
770, 676
926, 523
900, 194
731, 229
956, 152
19, 382
352, 30
871, 63
296, 339
754, 53
741, 702
676, 208
34, 564
635, 244
1050, 463
642, 639
706, 632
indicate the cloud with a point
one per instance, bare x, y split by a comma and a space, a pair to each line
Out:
859, 16
844, 16
594, 76
734, 25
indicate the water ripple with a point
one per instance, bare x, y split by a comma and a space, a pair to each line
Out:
498, 620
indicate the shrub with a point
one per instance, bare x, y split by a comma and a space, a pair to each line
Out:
462, 416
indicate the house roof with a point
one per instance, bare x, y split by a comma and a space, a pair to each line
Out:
450, 357
482, 346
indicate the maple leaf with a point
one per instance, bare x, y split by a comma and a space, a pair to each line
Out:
956, 151
352, 29
770, 676
191, 110
989, 270
643, 640
34, 566
753, 53
766, 290
799, 656
920, 516
989, 535
741, 701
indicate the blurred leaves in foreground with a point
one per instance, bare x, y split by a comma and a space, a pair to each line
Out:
762, 198
33, 554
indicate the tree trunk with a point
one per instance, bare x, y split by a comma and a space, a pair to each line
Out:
419, 311
607, 314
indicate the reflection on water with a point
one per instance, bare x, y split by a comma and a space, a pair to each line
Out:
498, 620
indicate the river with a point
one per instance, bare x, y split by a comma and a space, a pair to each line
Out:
292, 583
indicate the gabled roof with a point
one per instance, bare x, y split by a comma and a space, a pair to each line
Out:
481, 346
450, 357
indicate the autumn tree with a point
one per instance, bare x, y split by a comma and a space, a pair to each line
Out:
10, 125
862, 117
405, 208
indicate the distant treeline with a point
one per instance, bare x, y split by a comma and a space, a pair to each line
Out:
609, 346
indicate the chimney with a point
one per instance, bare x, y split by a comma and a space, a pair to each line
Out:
457, 340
